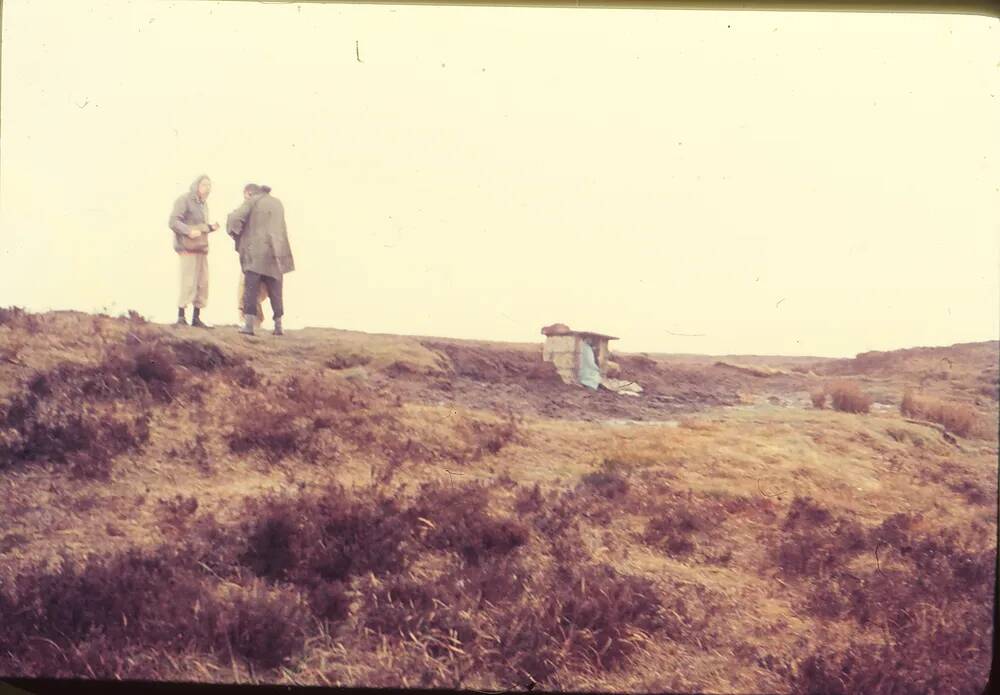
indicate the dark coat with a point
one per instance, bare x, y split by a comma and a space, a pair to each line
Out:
258, 226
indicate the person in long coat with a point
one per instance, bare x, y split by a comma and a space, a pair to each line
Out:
249, 191
261, 236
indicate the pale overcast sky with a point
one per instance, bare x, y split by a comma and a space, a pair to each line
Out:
691, 181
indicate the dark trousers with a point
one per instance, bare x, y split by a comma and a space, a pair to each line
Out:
251, 289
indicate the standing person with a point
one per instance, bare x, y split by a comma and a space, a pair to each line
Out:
189, 223
249, 191
258, 226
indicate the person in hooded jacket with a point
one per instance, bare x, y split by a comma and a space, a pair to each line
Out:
189, 223
261, 236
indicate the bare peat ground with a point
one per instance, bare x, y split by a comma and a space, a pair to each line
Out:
337, 508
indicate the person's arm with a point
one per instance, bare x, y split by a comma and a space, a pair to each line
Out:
237, 220
176, 223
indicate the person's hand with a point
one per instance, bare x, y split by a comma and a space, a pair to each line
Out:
194, 233
212, 227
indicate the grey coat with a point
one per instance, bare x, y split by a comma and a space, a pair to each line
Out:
258, 226
189, 211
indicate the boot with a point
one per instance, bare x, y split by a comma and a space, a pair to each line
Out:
247, 328
196, 319
277, 327
181, 319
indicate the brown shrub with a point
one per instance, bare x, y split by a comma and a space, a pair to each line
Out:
9, 315
133, 316
991, 392
609, 481
177, 510
328, 537
477, 616
930, 595
155, 363
158, 600
818, 398
557, 521
266, 626
195, 354
815, 542
272, 422
431, 613
495, 581
348, 361
973, 493
244, 376
672, 532
804, 512
487, 438
847, 397
18, 318
672, 529
329, 601
458, 522
529, 500
272, 432
485, 364
941, 648
272, 550
110, 603
544, 372
195, 452
317, 395
590, 615
959, 418
64, 430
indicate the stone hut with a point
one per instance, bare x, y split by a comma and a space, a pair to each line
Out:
565, 348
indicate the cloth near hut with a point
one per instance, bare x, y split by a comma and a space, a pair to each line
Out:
590, 373
622, 387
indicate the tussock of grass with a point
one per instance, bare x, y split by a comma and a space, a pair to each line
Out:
958, 418
848, 397
818, 398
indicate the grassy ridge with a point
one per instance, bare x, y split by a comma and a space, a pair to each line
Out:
311, 525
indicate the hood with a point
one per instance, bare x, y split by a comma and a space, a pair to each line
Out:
194, 185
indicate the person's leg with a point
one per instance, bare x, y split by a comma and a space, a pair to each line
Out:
274, 293
250, 289
241, 292
201, 295
261, 297
201, 274
188, 283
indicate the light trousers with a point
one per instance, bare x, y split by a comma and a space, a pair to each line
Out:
194, 280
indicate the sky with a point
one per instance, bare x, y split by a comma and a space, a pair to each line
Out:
715, 182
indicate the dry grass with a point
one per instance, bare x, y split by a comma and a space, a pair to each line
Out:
818, 398
351, 539
959, 418
847, 397
752, 370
